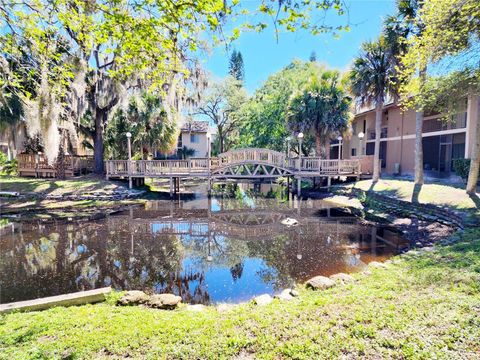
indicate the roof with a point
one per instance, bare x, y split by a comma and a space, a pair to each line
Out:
195, 126
364, 111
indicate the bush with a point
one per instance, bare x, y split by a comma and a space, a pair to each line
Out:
8, 167
461, 167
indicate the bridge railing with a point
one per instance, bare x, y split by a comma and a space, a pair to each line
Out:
325, 166
309, 165
253, 155
158, 167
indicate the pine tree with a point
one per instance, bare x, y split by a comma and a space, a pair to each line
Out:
235, 66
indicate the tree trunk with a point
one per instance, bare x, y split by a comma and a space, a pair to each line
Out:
376, 154
60, 161
418, 136
318, 145
418, 147
326, 148
98, 148
475, 159
221, 141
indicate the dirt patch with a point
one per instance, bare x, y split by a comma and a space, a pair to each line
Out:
422, 233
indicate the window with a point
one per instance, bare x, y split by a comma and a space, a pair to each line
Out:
194, 138
179, 142
384, 132
370, 148
354, 152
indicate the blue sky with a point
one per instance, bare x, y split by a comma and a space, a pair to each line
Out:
264, 56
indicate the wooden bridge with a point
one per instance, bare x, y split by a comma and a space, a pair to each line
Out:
248, 163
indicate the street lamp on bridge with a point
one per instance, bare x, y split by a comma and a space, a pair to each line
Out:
129, 147
289, 138
339, 138
299, 179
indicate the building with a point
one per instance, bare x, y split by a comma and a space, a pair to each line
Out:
443, 140
193, 141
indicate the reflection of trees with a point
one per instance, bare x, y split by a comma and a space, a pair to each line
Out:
142, 251
64, 258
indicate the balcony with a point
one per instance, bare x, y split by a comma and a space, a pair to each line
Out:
458, 121
383, 134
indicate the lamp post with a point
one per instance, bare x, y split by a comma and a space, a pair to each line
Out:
129, 147
209, 156
288, 146
361, 135
299, 179
209, 255
340, 147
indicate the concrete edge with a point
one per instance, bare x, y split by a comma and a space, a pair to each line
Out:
77, 298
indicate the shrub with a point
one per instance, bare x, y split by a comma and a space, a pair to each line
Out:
461, 167
8, 167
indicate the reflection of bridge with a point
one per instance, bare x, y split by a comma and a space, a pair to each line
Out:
235, 164
264, 228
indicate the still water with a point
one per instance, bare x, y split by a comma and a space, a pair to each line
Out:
222, 249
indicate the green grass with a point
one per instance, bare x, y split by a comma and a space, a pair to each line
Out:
434, 193
76, 186
423, 305
34, 189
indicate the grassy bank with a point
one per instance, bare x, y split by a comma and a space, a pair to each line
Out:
452, 197
424, 305
53, 198
76, 186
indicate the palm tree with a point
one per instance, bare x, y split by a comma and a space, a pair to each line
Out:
398, 28
322, 108
151, 127
372, 79
146, 118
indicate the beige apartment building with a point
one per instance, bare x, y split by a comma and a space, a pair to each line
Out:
194, 136
443, 140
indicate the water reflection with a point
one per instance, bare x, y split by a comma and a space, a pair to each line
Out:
206, 250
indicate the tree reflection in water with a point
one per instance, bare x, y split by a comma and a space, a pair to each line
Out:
224, 249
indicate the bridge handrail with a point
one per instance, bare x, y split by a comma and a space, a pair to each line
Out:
309, 165
253, 155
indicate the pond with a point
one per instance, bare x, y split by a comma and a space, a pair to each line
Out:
208, 250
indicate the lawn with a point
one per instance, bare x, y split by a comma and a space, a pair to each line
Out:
76, 186
422, 305
34, 190
452, 197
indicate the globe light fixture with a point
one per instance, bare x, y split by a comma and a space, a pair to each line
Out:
339, 138
361, 135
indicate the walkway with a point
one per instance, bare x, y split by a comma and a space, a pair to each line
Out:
248, 163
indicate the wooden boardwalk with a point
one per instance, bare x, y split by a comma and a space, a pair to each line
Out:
248, 163
38, 166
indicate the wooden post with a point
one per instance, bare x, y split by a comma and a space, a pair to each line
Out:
373, 243
299, 186
171, 187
